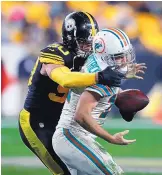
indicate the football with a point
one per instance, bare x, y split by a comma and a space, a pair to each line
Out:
131, 100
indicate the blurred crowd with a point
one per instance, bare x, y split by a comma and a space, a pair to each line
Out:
39, 23
28, 26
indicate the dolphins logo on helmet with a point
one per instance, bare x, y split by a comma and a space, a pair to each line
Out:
99, 45
113, 46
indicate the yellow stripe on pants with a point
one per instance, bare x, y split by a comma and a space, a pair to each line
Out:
37, 145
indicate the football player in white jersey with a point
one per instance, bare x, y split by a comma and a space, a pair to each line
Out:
85, 109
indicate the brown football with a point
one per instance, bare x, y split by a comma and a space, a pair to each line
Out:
131, 100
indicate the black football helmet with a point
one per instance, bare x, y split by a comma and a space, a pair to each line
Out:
78, 30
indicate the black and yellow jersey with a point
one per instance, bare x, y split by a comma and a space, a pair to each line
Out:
45, 97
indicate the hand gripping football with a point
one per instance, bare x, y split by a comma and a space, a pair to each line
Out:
131, 100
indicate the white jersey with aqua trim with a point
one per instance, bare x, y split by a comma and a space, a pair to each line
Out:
100, 112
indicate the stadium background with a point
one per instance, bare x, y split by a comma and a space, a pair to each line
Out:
26, 27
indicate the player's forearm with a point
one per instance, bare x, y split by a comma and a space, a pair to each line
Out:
88, 123
68, 79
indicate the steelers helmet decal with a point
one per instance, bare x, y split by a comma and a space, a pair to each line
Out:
70, 24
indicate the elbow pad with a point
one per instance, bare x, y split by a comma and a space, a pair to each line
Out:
68, 79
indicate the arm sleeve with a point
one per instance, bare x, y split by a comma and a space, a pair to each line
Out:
66, 78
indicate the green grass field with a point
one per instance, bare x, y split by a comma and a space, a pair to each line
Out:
148, 144
41, 171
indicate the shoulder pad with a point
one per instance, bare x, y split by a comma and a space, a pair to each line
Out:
54, 53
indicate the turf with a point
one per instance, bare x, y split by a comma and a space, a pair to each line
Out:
11, 143
148, 143
6, 170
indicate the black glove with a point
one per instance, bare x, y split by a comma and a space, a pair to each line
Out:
79, 60
110, 77
127, 116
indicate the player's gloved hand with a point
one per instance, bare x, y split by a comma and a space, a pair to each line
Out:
127, 116
110, 77
118, 138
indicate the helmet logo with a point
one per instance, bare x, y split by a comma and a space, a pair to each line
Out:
99, 45
70, 24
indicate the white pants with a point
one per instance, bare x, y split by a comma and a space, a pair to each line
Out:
82, 154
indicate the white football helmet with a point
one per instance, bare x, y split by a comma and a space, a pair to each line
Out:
113, 46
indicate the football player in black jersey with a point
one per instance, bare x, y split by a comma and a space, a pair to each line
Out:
56, 70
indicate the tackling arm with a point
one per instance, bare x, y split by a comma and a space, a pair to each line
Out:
63, 76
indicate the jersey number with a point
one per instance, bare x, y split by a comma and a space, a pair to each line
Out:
60, 48
61, 90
